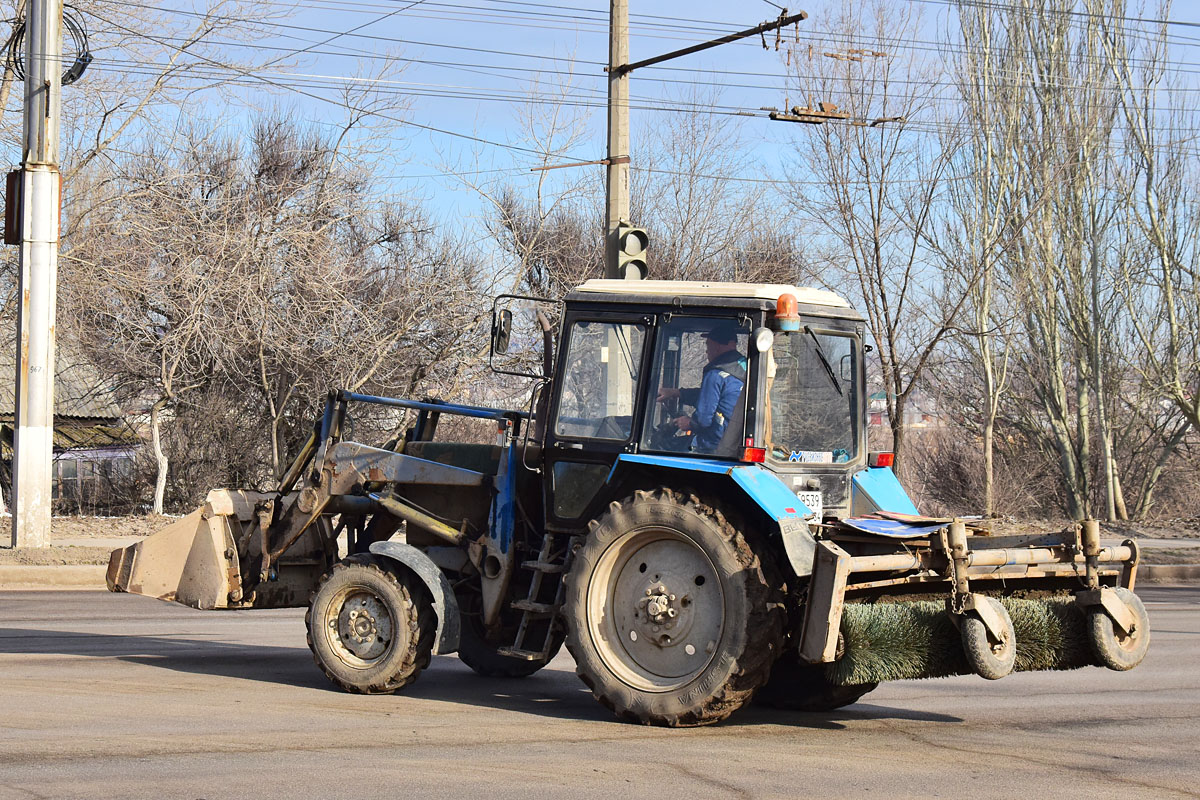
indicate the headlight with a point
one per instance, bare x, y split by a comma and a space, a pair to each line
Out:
763, 339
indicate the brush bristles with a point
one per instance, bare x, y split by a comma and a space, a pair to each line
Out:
1051, 634
897, 641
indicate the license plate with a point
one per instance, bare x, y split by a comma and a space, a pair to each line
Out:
813, 501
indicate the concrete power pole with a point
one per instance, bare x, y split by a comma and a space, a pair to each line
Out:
616, 197
616, 205
40, 190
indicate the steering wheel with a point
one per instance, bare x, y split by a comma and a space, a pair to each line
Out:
668, 437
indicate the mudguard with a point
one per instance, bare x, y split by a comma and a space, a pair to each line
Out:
444, 603
878, 489
758, 484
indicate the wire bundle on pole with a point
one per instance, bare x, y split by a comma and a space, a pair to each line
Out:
73, 25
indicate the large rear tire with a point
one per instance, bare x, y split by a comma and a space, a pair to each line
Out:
370, 628
672, 617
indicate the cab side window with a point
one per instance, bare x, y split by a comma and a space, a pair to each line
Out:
599, 380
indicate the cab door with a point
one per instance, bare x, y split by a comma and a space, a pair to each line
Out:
596, 408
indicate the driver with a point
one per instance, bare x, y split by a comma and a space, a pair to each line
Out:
721, 384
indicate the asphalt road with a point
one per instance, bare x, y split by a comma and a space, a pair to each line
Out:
121, 696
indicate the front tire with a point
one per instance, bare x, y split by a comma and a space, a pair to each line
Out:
672, 618
988, 657
370, 628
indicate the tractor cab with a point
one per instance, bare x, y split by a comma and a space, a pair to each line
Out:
703, 376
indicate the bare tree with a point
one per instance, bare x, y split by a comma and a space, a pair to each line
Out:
546, 223
341, 290
1159, 283
695, 192
556, 248
272, 274
981, 218
877, 191
1081, 242
689, 191
141, 294
1043, 215
150, 64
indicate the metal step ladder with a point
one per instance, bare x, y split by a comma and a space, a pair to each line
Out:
548, 570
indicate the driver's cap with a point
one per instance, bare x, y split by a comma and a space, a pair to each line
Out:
723, 332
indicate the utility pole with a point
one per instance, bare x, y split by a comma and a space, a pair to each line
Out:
40, 198
616, 198
616, 195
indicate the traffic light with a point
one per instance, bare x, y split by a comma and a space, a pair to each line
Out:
632, 244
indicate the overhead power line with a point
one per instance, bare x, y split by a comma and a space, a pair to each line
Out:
591, 97
218, 71
314, 96
823, 40
353, 30
300, 82
889, 79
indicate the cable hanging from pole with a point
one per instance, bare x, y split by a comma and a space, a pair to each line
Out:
73, 25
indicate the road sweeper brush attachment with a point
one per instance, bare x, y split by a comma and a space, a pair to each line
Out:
946, 602
890, 641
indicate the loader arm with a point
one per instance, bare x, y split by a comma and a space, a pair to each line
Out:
268, 550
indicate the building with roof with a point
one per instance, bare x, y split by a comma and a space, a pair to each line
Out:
920, 412
94, 446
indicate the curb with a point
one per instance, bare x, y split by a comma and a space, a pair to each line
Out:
1164, 573
53, 576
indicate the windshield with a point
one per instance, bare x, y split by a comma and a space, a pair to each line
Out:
812, 382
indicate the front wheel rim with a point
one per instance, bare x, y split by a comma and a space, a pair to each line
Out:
655, 609
359, 626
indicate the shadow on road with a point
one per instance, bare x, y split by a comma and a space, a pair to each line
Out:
554, 692
287, 665
833, 720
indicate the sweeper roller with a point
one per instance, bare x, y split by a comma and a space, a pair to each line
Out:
1063, 601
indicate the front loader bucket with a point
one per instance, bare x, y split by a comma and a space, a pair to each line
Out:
192, 561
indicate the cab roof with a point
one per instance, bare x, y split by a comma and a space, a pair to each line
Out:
712, 289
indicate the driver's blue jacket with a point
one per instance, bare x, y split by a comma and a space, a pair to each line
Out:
720, 386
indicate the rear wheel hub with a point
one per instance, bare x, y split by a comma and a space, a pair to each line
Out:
659, 607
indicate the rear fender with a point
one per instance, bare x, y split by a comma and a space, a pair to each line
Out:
736, 484
444, 604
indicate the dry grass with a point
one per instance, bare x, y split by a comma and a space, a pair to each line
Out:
54, 556
79, 531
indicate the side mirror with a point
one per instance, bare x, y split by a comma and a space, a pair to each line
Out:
516, 320
501, 331
844, 368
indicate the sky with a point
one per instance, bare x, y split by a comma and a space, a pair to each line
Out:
467, 72
470, 70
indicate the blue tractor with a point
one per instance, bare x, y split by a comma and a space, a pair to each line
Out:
688, 502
